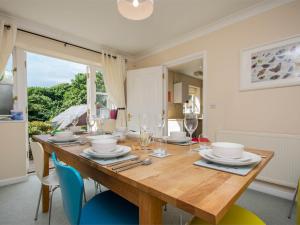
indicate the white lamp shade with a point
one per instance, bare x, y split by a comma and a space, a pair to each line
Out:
143, 11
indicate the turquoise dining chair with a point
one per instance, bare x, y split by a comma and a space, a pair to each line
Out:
106, 208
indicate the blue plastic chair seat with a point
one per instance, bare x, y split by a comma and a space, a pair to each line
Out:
108, 208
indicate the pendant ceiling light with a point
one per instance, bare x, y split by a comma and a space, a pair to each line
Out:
135, 9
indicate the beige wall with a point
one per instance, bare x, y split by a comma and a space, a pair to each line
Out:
271, 110
13, 150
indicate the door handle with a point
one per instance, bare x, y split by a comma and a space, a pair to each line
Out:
129, 116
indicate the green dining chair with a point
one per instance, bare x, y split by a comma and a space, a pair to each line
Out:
235, 216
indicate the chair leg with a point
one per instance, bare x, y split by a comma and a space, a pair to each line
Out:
96, 187
293, 203
50, 204
99, 187
84, 195
180, 220
38, 204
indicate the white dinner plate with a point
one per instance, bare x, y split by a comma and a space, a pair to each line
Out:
178, 140
120, 151
247, 159
57, 139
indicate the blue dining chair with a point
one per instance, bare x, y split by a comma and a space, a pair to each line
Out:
106, 208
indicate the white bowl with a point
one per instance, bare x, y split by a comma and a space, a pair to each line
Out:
177, 134
227, 150
64, 134
119, 136
104, 146
100, 137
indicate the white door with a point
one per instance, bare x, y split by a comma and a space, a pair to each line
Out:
145, 94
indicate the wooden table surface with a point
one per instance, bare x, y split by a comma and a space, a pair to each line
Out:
203, 192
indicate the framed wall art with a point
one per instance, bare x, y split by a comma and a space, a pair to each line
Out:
272, 65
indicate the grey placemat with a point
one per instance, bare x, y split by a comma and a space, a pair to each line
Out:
239, 170
104, 162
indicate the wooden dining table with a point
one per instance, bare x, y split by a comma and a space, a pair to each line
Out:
205, 193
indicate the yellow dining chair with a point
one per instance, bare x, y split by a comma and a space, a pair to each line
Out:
298, 205
235, 216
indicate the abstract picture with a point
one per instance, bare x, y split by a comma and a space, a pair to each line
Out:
273, 65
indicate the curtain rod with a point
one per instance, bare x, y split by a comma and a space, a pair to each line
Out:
65, 43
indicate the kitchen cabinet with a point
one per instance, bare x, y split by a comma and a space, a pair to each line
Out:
180, 92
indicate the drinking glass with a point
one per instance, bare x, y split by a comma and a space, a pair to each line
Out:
202, 145
146, 137
144, 122
191, 124
103, 115
90, 121
159, 123
75, 121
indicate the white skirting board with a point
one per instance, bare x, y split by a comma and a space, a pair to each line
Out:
13, 180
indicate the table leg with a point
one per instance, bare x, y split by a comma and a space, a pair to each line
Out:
150, 209
46, 188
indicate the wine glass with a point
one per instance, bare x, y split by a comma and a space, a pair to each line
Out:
75, 121
191, 124
159, 123
90, 121
144, 122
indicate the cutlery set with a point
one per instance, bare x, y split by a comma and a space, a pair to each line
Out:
122, 166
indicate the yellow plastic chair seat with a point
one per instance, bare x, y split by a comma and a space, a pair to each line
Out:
235, 216
298, 205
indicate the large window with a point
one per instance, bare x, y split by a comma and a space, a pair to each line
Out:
102, 99
6, 88
101, 95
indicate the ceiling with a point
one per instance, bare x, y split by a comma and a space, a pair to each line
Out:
99, 22
189, 68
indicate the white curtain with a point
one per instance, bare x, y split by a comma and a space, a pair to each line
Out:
114, 81
7, 42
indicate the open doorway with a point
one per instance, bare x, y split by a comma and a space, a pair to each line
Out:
185, 91
54, 86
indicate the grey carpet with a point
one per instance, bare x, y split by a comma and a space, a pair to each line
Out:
18, 203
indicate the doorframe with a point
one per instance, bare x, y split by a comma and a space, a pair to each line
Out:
187, 58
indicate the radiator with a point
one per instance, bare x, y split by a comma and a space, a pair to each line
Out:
284, 168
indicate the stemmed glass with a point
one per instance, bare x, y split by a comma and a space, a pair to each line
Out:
90, 121
191, 124
75, 121
159, 126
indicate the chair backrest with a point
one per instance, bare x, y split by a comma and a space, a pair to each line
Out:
298, 205
71, 185
38, 158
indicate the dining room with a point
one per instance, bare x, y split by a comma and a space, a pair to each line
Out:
177, 112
